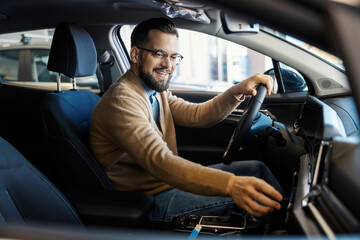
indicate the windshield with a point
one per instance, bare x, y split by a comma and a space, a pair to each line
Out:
334, 60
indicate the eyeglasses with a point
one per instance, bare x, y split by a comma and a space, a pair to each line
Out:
160, 56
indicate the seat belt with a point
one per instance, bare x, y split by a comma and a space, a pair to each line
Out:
105, 62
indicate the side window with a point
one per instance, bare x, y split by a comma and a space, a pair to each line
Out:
33, 49
214, 64
39, 59
210, 63
9, 65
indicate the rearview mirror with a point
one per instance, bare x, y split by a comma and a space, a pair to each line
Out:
234, 25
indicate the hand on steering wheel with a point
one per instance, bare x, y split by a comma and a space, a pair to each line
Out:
244, 124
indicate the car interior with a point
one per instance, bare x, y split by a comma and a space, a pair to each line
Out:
306, 132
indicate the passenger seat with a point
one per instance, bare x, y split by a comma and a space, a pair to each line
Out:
66, 115
28, 197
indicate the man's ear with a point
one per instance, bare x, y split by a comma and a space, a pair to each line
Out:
134, 54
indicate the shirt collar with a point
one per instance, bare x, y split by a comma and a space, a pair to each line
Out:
151, 93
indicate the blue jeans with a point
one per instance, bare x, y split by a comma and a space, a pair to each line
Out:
174, 202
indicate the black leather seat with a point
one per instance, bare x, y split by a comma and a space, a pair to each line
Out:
26, 196
66, 117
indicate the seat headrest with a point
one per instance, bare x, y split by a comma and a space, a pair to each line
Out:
72, 52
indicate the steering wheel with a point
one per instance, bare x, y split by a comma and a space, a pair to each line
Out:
244, 125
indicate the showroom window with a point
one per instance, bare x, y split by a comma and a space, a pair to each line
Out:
9, 65
23, 61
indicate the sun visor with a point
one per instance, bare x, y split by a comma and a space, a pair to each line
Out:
177, 9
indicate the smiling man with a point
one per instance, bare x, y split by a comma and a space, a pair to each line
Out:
133, 136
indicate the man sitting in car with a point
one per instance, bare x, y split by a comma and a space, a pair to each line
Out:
133, 136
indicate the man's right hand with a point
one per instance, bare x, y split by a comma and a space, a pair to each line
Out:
254, 195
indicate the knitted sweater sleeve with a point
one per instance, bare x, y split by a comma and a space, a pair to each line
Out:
205, 114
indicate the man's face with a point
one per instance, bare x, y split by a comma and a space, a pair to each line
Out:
156, 75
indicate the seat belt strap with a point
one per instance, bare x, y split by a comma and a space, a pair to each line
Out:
105, 62
106, 72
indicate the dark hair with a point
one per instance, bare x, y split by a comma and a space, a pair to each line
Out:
140, 35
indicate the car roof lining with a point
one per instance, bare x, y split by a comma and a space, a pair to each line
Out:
121, 11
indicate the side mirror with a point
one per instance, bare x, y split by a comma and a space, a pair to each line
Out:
292, 79
234, 25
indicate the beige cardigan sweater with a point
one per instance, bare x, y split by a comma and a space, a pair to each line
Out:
137, 156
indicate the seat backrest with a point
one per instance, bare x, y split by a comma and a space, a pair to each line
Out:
26, 196
66, 115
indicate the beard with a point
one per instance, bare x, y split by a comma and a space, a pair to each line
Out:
150, 81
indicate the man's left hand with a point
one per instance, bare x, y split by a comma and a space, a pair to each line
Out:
248, 86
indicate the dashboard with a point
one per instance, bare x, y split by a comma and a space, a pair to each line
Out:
324, 201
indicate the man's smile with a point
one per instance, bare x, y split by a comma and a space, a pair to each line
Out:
163, 73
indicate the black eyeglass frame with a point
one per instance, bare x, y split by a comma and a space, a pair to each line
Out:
178, 55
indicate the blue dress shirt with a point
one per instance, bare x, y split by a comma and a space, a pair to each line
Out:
153, 100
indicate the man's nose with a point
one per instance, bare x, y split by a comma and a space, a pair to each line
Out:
167, 63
